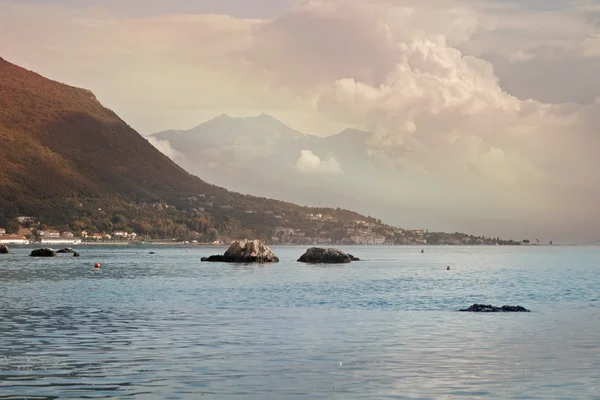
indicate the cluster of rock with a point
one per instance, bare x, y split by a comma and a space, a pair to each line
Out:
46, 252
318, 255
490, 308
254, 251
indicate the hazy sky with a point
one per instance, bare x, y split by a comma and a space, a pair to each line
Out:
140, 8
497, 99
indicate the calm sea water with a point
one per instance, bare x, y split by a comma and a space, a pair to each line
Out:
166, 326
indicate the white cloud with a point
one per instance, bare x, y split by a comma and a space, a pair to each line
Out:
164, 146
310, 163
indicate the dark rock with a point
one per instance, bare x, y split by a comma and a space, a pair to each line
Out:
75, 254
152, 252
45, 252
318, 255
245, 251
66, 250
3, 249
216, 258
490, 308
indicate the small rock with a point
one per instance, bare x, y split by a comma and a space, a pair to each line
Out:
245, 251
75, 254
490, 308
44, 252
318, 255
3, 249
66, 250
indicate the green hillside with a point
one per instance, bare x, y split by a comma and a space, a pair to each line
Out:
68, 161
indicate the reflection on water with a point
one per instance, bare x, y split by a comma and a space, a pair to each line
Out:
167, 326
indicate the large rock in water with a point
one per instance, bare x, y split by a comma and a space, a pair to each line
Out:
246, 251
66, 250
490, 308
45, 252
319, 255
3, 249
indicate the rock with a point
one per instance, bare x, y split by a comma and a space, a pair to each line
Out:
66, 250
45, 252
75, 254
318, 255
245, 251
3, 249
490, 308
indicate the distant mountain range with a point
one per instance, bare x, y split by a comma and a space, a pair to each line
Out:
291, 165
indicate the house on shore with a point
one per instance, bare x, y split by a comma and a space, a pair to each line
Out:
13, 239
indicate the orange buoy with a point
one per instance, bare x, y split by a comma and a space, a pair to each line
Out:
97, 265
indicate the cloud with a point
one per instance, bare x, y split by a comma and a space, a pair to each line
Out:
164, 146
310, 163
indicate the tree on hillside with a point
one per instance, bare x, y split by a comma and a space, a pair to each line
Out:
12, 225
213, 234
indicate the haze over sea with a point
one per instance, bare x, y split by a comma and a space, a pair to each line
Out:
168, 326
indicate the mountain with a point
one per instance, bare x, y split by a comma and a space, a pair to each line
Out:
293, 165
59, 141
67, 160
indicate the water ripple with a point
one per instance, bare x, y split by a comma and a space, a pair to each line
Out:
167, 326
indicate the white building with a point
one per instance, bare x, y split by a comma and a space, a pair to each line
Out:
368, 239
2, 231
285, 231
56, 241
13, 240
49, 234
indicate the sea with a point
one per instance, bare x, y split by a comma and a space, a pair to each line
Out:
168, 326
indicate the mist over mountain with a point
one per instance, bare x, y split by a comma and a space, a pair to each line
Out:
342, 169
288, 164
304, 168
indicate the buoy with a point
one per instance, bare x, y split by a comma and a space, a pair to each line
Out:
422, 251
97, 266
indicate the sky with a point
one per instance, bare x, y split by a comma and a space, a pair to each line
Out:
499, 100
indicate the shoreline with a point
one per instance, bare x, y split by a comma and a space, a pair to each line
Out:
170, 243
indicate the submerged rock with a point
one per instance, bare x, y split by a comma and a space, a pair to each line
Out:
66, 250
319, 255
44, 252
245, 251
3, 249
490, 308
